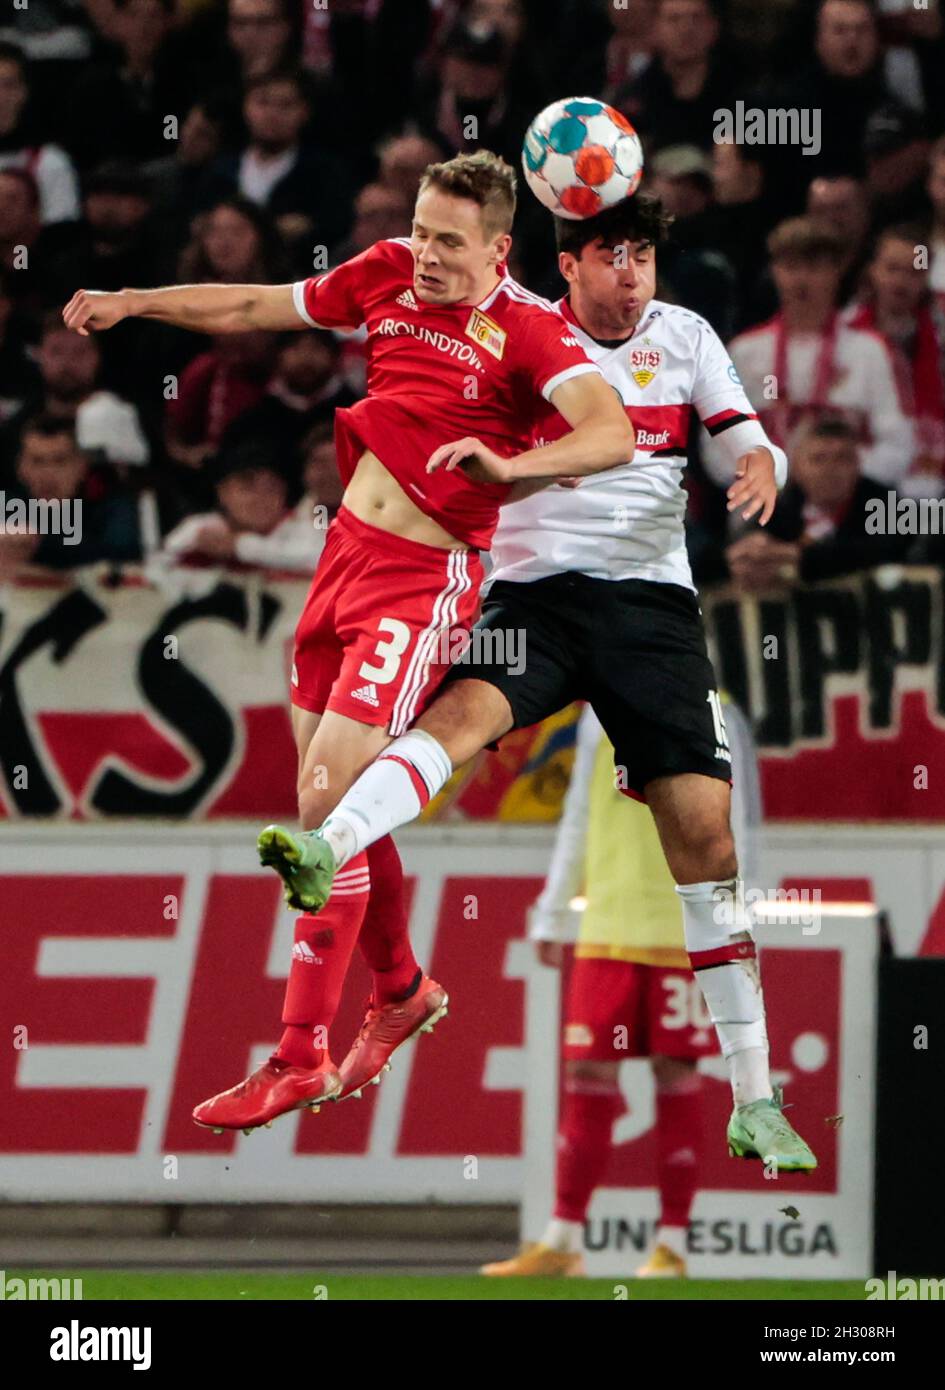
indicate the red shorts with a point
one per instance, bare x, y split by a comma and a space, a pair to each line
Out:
374, 638
617, 1009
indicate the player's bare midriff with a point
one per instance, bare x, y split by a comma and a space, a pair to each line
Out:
375, 496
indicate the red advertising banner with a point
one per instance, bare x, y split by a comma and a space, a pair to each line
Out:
140, 701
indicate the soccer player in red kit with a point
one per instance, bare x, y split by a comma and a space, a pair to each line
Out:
461, 357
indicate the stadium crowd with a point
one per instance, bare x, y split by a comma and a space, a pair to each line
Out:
145, 142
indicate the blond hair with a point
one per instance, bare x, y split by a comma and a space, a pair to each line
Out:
485, 179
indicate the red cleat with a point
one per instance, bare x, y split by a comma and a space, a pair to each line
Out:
273, 1090
383, 1031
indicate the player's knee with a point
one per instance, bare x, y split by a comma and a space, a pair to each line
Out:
469, 715
314, 806
707, 855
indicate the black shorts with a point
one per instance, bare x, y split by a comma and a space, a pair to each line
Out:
633, 648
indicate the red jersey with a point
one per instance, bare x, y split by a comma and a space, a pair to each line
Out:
439, 372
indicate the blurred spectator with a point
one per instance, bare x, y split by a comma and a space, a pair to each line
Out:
253, 524
19, 376
115, 244
379, 212
48, 30
675, 99
302, 188
818, 529
180, 177
805, 360
469, 105
525, 48
233, 243
935, 187
21, 147
896, 152
98, 521
22, 240
698, 275
630, 48
321, 481
842, 83
741, 216
215, 388
70, 390
306, 388
403, 161
915, 53
896, 305
839, 203
120, 103
262, 36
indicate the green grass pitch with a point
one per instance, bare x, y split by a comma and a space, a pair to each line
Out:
303, 1286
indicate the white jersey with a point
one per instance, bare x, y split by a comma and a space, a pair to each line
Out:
627, 522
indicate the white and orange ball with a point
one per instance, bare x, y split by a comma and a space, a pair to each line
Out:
581, 156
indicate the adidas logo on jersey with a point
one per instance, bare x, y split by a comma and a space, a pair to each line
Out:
302, 951
407, 299
570, 342
367, 693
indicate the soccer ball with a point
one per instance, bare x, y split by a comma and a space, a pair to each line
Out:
581, 156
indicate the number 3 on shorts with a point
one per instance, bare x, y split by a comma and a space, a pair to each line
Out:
389, 652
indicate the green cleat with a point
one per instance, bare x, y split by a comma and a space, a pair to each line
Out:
304, 862
759, 1130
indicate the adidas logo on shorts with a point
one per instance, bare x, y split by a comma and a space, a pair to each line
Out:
367, 693
407, 300
302, 951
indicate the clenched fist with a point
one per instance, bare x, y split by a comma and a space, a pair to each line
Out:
97, 309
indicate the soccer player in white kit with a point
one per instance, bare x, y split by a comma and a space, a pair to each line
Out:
597, 577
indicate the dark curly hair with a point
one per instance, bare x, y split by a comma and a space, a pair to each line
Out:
639, 218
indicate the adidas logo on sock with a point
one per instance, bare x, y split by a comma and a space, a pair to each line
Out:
407, 299
302, 951
367, 693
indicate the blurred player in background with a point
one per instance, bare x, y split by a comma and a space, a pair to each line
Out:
630, 993
596, 581
454, 344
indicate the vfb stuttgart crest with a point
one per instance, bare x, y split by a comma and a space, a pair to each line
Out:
645, 362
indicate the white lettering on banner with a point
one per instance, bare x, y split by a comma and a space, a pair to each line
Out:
134, 1084
648, 439
734, 1232
836, 671
151, 974
453, 347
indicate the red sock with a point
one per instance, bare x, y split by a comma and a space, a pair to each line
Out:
384, 939
588, 1111
320, 958
679, 1151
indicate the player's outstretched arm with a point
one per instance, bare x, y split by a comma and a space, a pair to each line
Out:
601, 434
201, 308
601, 437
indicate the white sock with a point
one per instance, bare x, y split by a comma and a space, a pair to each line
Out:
674, 1238
564, 1236
389, 793
714, 914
